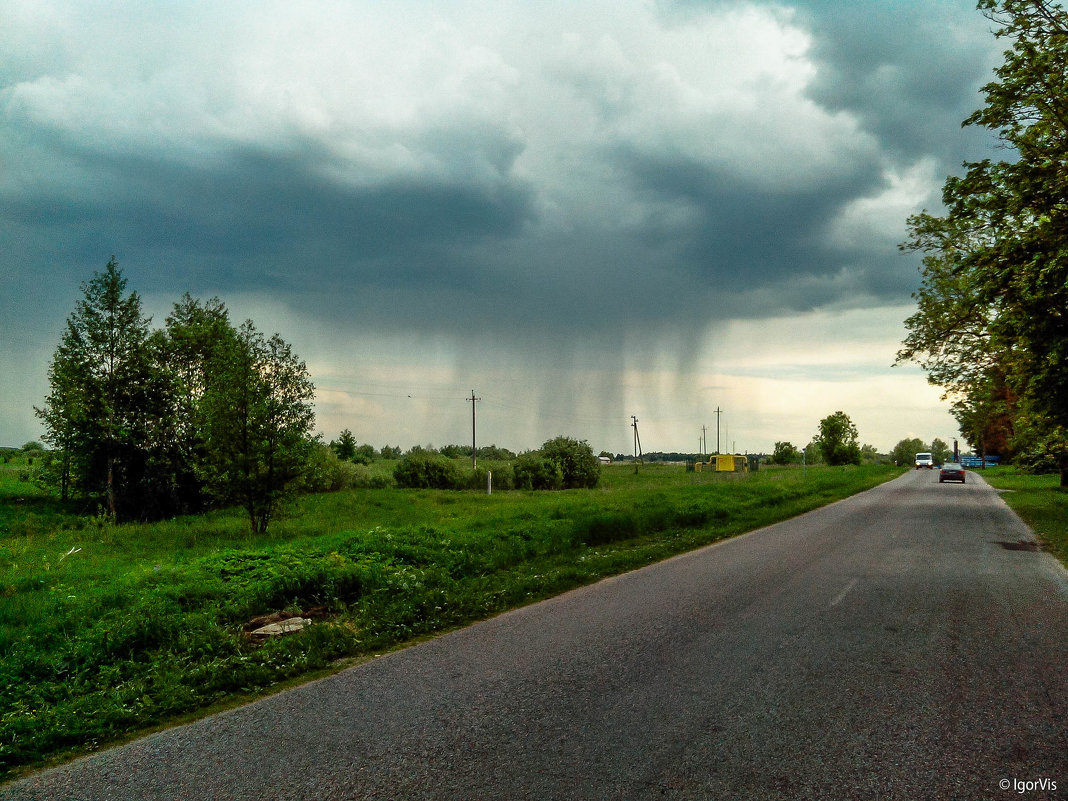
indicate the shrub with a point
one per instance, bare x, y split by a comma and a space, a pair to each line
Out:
535, 471
577, 463
325, 472
503, 476
425, 470
364, 477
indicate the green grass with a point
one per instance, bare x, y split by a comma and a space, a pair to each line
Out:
110, 630
1040, 501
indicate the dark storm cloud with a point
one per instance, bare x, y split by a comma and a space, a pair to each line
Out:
748, 234
289, 218
259, 220
910, 70
578, 188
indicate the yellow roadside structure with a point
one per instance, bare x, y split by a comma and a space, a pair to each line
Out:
724, 463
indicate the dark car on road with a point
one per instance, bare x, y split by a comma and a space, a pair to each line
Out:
951, 471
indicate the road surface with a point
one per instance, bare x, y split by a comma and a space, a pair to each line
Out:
889, 646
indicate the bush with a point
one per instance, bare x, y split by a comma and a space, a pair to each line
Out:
425, 470
577, 463
503, 476
535, 471
364, 477
325, 472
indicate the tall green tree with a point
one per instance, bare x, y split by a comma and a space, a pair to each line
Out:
345, 445
186, 352
258, 420
838, 440
103, 394
996, 264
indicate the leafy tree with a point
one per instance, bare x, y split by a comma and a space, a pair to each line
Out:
940, 451
390, 452
869, 454
578, 466
187, 352
838, 440
103, 396
996, 265
258, 421
785, 453
345, 445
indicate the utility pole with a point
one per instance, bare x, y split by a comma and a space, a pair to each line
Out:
637, 442
719, 411
473, 401
704, 439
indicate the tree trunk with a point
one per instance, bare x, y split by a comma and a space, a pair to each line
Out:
111, 490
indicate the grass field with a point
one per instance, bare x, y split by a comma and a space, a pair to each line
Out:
1040, 501
110, 630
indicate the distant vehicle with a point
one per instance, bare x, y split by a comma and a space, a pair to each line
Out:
951, 471
924, 460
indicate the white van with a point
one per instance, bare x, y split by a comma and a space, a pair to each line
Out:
924, 460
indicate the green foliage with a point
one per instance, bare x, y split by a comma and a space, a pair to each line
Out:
154, 425
424, 470
503, 475
904, 453
187, 352
990, 327
838, 440
813, 453
345, 445
578, 465
495, 453
940, 451
785, 453
104, 397
363, 454
536, 471
325, 472
258, 420
455, 451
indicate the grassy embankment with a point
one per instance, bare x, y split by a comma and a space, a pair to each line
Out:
111, 630
1041, 503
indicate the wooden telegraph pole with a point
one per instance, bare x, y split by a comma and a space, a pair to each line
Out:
473, 401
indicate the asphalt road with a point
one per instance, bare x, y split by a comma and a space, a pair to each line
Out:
885, 647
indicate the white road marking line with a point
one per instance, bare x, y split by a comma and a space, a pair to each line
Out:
838, 598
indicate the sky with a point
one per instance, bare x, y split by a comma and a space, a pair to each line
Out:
583, 212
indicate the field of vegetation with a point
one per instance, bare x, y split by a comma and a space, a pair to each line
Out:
108, 630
